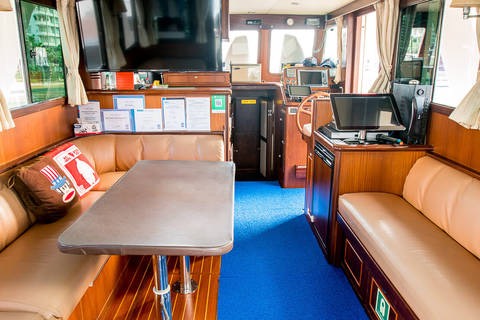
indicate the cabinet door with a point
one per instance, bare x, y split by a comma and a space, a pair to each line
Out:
321, 191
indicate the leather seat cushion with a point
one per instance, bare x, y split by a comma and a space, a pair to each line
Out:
447, 197
435, 275
107, 180
20, 316
52, 282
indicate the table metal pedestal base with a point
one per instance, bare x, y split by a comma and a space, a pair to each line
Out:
186, 285
163, 302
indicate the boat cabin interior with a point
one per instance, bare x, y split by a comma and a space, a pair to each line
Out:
173, 144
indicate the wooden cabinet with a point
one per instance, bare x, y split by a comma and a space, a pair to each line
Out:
355, 168
294, 149
197, 79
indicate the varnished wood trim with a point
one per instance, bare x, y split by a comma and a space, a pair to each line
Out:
351, 7
349, 246
442, 109
36, 107
225, 19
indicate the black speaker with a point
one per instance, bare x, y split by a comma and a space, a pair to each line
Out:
413, 101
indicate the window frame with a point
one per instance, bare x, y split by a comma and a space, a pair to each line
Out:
33, 107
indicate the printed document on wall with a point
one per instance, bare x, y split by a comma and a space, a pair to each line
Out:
174, 113
198, 113
148, 120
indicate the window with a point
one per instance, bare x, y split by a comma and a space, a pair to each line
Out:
38, 74
241, 49
330, 47
369, 63
330, 44
290, 46
458, 59
12, 81
44, 51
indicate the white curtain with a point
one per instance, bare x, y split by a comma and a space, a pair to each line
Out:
6, 5
387, 18
6, 121
71, 48
467, 112
338, 73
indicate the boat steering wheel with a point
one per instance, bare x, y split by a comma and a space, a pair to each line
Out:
303, 109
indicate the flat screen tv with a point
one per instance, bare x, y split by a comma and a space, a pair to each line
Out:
312, 78
149, 35
366, 112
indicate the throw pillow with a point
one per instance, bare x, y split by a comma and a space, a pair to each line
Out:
45, 191
76, 167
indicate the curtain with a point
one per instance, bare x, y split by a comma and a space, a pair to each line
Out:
387, 18
467, 113
6, 5
6, 121
10, 57
338, 73
68, 29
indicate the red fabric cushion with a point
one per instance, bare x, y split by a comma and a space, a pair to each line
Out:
76, 167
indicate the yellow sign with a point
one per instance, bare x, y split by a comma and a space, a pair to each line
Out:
249, 101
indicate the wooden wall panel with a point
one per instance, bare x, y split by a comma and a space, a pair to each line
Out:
375, 170
454, 142
218, 121
34, 132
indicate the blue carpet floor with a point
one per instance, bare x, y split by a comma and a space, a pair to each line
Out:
276, 269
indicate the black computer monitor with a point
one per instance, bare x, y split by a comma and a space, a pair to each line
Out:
366, 112
299, 91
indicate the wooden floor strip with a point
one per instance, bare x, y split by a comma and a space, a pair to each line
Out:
133, 299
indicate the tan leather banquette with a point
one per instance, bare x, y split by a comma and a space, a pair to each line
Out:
416, 255
37, 281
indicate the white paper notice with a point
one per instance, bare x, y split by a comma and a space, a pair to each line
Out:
129, 102
90, 112
174, 113
148, 120
117, 120
198, 113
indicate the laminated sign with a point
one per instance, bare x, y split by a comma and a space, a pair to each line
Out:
76, 167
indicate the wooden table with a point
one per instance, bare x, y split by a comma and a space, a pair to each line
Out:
160, 208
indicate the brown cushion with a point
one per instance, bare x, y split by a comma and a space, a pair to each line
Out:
45, 190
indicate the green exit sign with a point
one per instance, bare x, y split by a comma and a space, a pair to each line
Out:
382, 308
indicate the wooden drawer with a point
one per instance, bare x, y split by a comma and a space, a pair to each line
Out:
197, 79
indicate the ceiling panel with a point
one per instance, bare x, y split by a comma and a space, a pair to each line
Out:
312, 7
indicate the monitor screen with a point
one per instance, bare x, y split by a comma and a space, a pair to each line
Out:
375, 112
313, 78
299, 91
150, 35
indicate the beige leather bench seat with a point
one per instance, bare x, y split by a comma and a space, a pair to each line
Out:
433, 273
36, 277
426, 242
37, 281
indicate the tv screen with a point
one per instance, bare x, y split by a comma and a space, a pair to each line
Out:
313, 78
377, 112
149, 35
